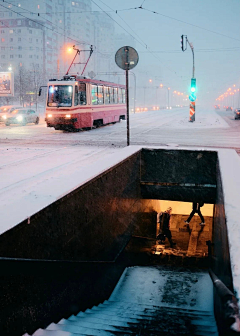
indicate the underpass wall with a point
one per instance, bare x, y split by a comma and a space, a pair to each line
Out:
92, 222
178, 175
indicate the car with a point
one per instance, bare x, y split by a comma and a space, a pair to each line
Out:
237, 113
217, 107
228, 108
7, 109
21, 116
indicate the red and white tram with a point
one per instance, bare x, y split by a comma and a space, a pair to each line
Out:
76, 103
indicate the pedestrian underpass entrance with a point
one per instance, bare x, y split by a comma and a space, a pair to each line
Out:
86, 237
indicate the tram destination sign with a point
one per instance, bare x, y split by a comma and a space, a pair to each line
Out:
126, 58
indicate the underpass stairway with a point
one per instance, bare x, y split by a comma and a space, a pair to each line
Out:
148, 300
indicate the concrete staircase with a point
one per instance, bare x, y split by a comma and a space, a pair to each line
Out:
147, 301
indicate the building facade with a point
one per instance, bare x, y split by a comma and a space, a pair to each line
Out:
37, 34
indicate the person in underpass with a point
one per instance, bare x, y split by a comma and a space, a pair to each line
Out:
164, 220
196, 208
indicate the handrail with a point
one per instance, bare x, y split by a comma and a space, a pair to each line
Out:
229, 300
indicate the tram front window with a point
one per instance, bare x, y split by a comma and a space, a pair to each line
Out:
60, 95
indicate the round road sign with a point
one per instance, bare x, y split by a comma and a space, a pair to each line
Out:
126, 58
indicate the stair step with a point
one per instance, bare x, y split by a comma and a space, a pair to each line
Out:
42, 332
94, 330
116, 320
141, 309
129, 305
99, 324
136, 318
200, 324
111, 319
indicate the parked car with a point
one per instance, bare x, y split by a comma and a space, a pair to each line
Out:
21, 116
228, 108
7, 109
237, 113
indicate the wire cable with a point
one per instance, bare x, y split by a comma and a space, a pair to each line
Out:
190, 24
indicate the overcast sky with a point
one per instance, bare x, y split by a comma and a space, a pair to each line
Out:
216, 56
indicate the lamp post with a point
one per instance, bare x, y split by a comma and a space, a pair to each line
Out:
168, 89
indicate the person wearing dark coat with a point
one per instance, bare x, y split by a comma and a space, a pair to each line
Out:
196, 208
164, 220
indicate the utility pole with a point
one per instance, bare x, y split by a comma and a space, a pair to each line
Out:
192, 96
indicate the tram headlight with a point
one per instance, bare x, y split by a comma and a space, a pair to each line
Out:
68, 116
19, 118
49, 115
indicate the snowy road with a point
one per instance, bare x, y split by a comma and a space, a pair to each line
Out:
147, 128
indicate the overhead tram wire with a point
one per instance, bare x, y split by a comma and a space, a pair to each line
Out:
144, 45
190, 24
116, 12
37, 22
134, 37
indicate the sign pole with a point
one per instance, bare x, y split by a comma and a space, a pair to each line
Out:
127, 102
127, 58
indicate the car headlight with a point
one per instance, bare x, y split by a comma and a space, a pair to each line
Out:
19, 118
4, 117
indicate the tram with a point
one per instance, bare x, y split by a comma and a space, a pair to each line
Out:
76, 103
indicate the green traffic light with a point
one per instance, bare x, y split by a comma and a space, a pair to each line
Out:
193, 89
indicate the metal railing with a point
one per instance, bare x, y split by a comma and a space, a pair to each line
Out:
229, 301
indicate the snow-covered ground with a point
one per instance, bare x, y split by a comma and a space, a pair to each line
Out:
38, 165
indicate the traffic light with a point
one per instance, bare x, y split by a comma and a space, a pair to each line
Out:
182, 43
193, 89
193, 85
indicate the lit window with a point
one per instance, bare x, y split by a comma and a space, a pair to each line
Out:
3, 39
38, 6
73, 3
10, 31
